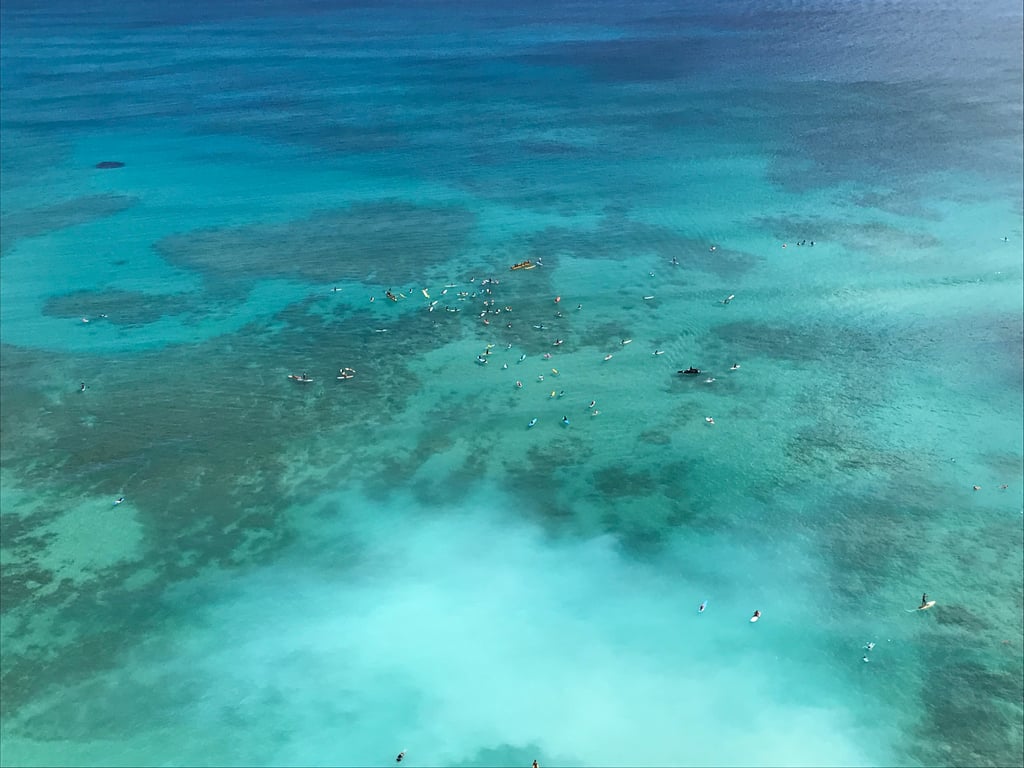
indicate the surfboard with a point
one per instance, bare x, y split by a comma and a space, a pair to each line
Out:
754, 618
924, 607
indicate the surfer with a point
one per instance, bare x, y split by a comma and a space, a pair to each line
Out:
592, 403
702, 607
756, 616
924, 600
81, 387
401, 756
120, 500
735, 366
535, 764
565, 420
532, 422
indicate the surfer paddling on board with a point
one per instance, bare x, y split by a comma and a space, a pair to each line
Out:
401, 756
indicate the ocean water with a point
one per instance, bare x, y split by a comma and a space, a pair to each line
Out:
329, 573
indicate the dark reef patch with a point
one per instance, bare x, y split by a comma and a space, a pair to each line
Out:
392, 242
120, 307
33, 222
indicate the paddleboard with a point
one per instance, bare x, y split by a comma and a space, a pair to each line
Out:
926, 606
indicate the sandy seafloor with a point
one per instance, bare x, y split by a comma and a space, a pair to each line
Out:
330, 573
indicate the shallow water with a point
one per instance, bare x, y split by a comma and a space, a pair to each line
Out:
329, 573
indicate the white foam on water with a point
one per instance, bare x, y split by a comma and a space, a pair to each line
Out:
470, 630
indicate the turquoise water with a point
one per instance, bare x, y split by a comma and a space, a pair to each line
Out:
329, 573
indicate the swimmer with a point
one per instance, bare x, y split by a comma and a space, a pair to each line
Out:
709, 380
519, 384
119, 500
541, 377
547, 355
509, 346
869, 646
595, 413
400, 756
